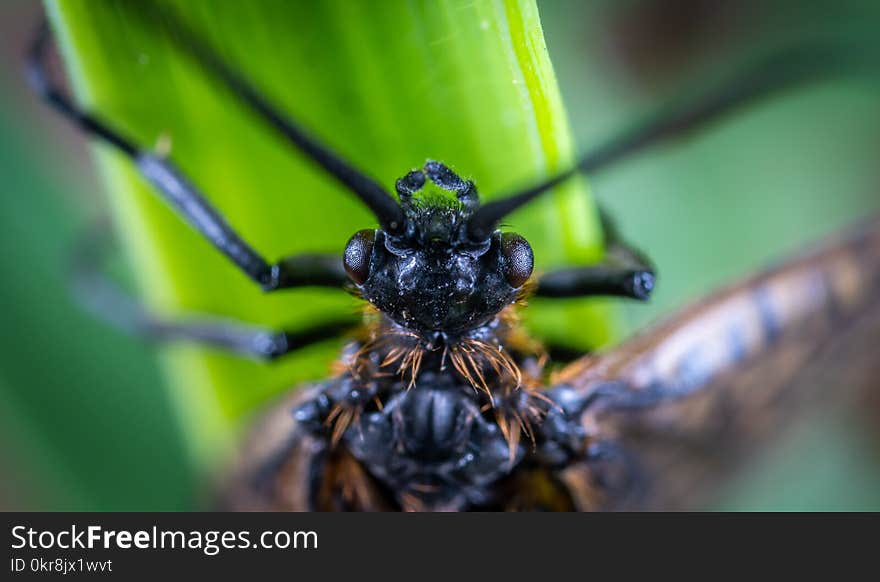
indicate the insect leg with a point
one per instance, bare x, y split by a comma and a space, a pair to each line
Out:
310, 270
625, 272
179, 192
284, 466
102, 297
602, 279
609, 477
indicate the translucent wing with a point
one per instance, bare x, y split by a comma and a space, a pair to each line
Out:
672, 411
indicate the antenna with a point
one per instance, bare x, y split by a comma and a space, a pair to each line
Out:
770, 75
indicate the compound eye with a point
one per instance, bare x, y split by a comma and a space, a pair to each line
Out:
518, 259
357, 255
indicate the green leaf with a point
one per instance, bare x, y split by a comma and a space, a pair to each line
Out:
388, 85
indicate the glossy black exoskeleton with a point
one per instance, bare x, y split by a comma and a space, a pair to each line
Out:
440, 404
433, 277
433, 404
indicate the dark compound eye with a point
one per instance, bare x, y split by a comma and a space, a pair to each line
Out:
357, 255
518, 258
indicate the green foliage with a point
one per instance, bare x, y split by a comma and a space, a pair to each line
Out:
463, 81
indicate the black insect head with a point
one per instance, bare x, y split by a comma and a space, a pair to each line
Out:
435, 275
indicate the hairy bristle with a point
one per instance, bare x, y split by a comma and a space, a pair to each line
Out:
498, 360
517, 417
459, 364
379, 337
411, 363
341, 417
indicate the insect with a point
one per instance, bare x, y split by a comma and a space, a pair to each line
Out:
442, 403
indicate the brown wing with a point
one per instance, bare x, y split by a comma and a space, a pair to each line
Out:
677, 406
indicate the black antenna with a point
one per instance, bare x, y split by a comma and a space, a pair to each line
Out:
370, 192
769, 76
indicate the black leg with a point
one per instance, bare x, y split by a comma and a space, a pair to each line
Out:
180, 193
602, 280
310, 270
107, 301
625, 272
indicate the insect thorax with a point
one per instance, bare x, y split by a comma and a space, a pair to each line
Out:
439, 426
439, 402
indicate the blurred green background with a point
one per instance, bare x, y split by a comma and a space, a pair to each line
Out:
86, 424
